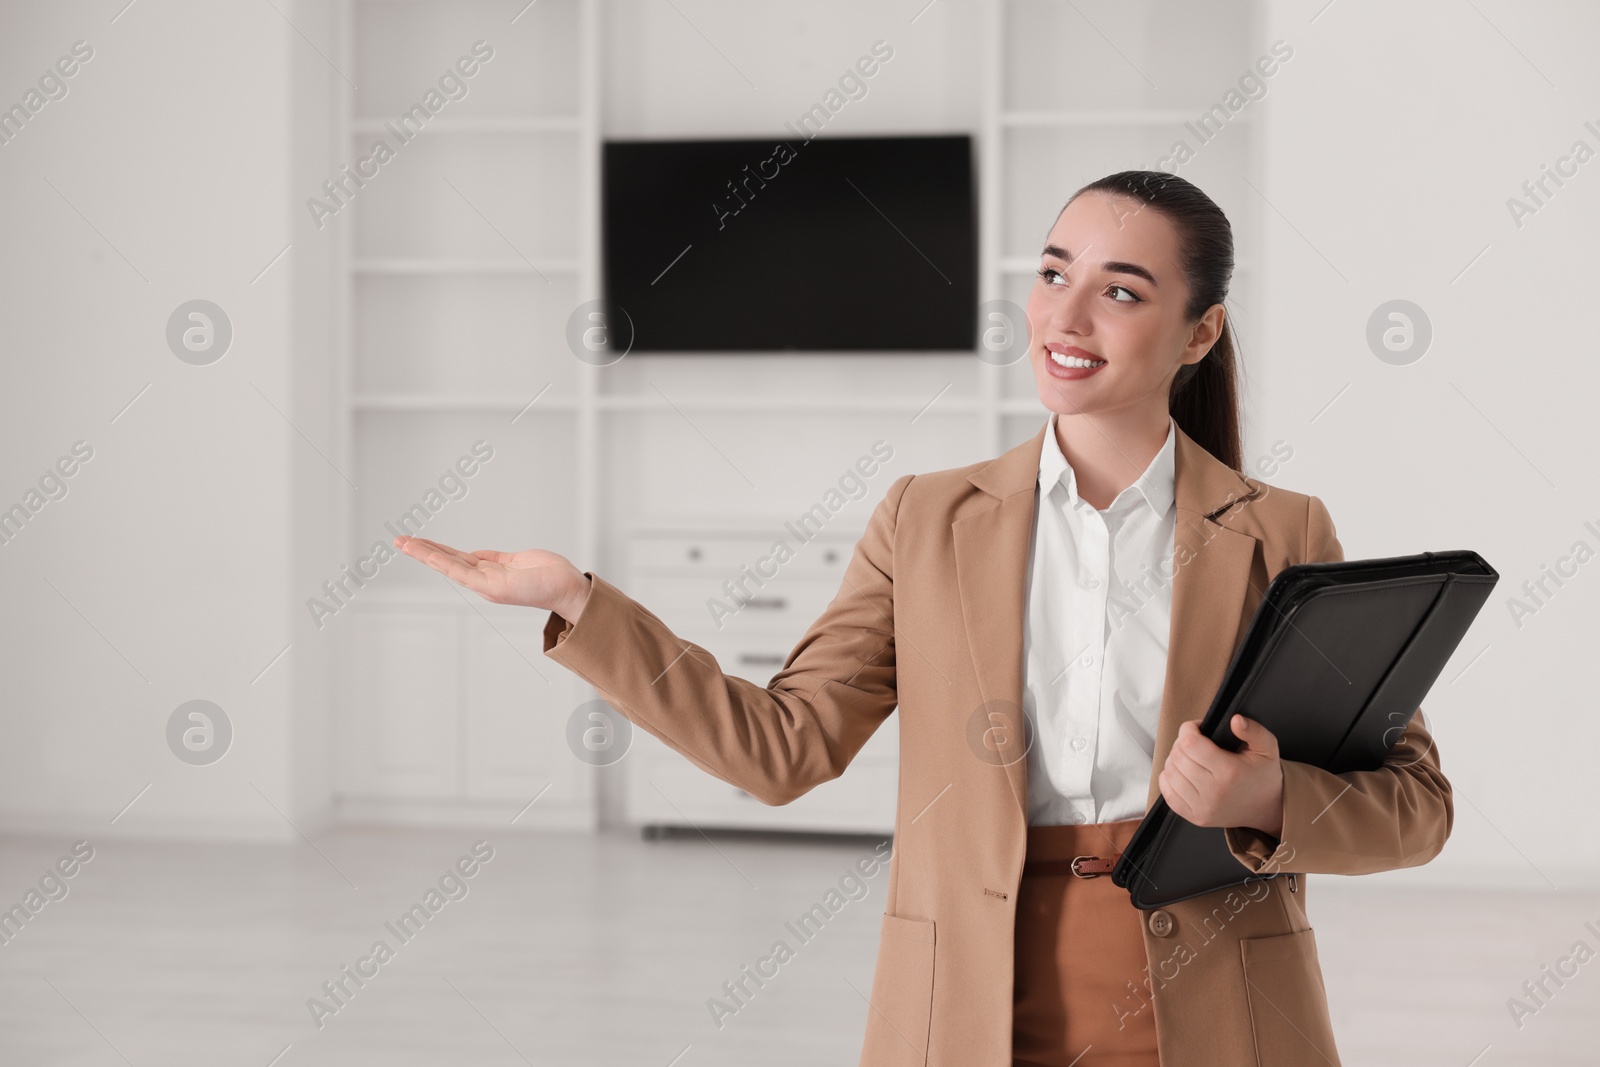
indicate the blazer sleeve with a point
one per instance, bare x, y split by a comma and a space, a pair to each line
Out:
1358, 822
775, 742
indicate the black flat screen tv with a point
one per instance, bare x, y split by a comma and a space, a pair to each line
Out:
858, 244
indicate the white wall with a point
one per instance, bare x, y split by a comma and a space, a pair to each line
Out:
171, 170
1395, 138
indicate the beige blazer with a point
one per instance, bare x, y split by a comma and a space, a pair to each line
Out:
929, 618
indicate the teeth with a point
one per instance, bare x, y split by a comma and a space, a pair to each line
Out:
1074, 361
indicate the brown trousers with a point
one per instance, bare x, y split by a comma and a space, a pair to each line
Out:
1079, 942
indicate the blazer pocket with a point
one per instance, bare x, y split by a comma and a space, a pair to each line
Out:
901, 1009
1288, 1002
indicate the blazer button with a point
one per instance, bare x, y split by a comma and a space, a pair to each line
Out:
1161, 923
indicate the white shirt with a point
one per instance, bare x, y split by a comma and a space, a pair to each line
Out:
1094, 640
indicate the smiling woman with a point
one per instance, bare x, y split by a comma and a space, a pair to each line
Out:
984, 604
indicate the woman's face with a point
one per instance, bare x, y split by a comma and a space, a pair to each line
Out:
1110, 290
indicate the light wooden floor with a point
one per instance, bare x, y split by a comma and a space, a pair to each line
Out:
600, 951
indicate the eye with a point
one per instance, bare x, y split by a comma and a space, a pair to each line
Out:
1051, 275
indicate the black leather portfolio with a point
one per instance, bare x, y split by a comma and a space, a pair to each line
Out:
1335, 661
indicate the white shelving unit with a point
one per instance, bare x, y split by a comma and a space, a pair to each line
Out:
464, 253
465, 258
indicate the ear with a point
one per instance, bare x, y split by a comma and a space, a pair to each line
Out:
1204, 333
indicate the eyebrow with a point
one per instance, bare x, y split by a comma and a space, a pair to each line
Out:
1110, 265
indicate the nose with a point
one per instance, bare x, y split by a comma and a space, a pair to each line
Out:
1069, 313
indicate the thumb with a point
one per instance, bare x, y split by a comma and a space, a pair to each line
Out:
1252, 733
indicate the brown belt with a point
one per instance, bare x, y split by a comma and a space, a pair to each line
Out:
1082, 866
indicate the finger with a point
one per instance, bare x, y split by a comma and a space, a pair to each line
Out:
1208, 756
423, 542
457, 569
1256, 737
1179, 791
421, 546
1197, 760
1185, 771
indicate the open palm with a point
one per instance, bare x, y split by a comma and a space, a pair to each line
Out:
533, 578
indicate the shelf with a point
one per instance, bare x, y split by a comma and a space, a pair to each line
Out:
484, 124
432, 403
823, 404
396, 265
429, 402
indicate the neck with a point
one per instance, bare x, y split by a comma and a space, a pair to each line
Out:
1108, 451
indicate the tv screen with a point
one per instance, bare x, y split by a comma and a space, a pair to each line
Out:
832, 244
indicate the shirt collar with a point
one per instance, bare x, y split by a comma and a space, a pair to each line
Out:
1155, 485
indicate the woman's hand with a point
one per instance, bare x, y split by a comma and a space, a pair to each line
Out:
533, 578
1210, 786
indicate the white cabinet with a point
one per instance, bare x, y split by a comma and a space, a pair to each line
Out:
674, 573
448, 710
517, 705
398, 722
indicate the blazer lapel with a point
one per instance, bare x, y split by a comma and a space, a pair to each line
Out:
1211, 579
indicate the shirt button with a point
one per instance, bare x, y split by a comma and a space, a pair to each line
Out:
1080, 743
1077, 816
1091, 583
1161, 923
1088, 659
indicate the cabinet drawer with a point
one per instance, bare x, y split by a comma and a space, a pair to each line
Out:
724, 556
788, 604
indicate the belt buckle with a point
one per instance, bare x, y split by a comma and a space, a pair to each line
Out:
1076, 872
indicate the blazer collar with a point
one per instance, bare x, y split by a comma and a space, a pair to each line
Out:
1209, 487
1211, 599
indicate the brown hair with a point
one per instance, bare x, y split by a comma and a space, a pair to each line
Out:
1204, 400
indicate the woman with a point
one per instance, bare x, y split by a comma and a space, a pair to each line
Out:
1052, 625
